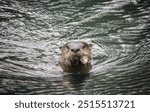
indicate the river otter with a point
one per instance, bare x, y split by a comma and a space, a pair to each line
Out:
76, 57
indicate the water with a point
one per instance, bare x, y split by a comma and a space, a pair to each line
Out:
31, 32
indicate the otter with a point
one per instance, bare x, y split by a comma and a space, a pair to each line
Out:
75, 57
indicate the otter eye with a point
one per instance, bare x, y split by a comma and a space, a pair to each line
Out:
67, 47
83, 47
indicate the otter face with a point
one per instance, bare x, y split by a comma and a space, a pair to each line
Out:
75, 53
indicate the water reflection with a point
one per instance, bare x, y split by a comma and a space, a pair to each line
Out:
32, 31
76, 82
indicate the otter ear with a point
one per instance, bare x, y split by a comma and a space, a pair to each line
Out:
90, 45
60, 47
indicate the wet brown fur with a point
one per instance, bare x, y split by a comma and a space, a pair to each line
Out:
76, 61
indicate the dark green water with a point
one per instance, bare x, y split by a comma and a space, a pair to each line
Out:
31, 32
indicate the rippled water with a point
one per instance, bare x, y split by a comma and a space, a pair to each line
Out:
31, 32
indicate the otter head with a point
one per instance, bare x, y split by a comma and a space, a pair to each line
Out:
75, 53
75, 57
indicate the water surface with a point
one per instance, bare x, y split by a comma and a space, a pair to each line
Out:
31, 32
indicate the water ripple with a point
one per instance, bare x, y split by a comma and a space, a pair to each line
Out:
32, 31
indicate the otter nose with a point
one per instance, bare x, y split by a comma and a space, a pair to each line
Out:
75, 50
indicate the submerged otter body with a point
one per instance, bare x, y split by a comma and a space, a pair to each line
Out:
76, 57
